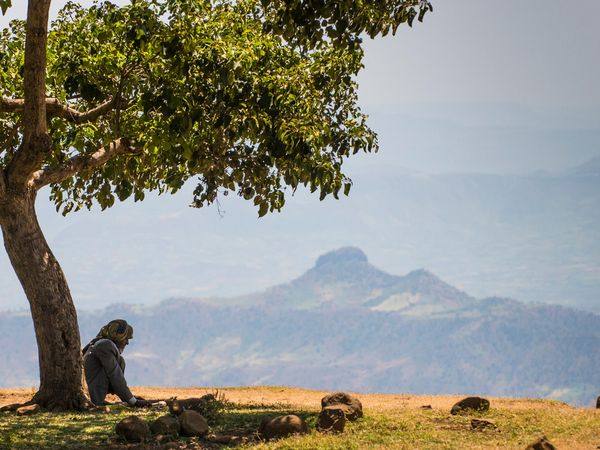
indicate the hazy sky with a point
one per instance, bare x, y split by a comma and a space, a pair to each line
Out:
538, 53
481, 86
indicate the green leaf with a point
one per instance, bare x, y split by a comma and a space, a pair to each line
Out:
4, 5
347, 187
263, 209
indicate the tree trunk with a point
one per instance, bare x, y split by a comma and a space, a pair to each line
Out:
52, 309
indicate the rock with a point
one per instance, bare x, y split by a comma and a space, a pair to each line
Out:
337, 398
281, 426
541, 444
133, 429
426, 407
177, 406
166, 425
28, 410
470, 403
332, 419
598, 402
193, 424
478, 424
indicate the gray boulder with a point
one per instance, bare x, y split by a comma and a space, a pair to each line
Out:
281, 427
193, 424
332, 419
133, 429
165, 425
177, 406
470, 404
541, 444
355, 410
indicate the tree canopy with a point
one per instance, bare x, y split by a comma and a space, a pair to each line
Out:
246, 96
109, 102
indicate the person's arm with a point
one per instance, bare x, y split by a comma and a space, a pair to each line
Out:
108, 355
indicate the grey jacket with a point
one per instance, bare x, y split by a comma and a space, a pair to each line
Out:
104, 367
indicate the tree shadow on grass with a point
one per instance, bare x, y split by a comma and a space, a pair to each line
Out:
53, 430
235, 424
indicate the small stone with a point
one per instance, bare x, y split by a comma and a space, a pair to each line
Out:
343, 398
28, 410
133, 429
177, 406
478, 424
282, 426
166, 425
332, 419
541, 444
470, 403
193, 424
426, 407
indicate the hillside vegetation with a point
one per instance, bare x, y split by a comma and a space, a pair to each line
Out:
348, 325
390, 422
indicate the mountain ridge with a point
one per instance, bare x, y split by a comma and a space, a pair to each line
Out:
415, 334
344, 278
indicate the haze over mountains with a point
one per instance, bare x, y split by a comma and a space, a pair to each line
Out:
345, 324
534, 237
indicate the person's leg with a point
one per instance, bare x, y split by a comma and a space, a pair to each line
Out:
111, 390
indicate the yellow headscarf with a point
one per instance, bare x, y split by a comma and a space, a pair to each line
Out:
116, 330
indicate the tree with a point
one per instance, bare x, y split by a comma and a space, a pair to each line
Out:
250, 97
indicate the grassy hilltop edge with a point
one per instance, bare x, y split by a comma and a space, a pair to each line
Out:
391, 421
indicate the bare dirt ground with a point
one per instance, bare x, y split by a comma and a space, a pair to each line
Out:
305, 398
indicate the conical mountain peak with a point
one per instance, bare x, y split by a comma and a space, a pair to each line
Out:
423, 276
344, 278
343, 255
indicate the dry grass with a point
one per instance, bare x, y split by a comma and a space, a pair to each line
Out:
390, 422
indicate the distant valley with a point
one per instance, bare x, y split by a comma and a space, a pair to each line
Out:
345, 324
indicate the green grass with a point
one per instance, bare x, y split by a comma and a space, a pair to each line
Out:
402, 428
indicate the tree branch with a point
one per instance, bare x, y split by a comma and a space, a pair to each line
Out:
11, 105
36, 141
72, 115
83, 163
55, 108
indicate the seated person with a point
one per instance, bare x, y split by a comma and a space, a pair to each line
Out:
104, 366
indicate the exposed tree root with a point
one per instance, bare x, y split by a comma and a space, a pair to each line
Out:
61, 402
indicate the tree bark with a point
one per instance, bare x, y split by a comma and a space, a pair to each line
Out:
52, 309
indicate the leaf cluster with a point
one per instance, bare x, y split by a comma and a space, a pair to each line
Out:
313, 23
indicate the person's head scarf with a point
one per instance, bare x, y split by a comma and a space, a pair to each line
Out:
116, 330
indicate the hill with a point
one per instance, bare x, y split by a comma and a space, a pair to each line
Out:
396, 421
345, 324
344, 278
